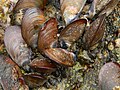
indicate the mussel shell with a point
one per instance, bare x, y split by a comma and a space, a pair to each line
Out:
71, 8
106, 6
31, 23
92, 9
99, 7
10, 74
42, 65
34, 80
94, 32
109, 76
72, 32
48, 35
60, 56
25, 4
16, 46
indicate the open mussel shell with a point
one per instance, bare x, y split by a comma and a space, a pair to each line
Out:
25, 4
42, 65
16, 46
48, 35
109, 76
71, 8
60, 56
34, 80
94, 32
10, 74
31, 23
72, 32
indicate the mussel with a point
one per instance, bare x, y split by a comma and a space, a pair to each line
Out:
42, 65
72, 32
109, 76
71, 8
31, 24
48, 35
61, 56
94, 32
10, 75
25, 4
47, 45
107, 7
34, 80
16, 46
37, 35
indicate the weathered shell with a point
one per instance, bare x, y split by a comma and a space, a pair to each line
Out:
42, 65
94, 32
99, 7
48, 35
31, 23
60, 56
16, 46
107, 7
70, 9
10, 74
92, 10
34, 80
109, 76
25, 4
72, 32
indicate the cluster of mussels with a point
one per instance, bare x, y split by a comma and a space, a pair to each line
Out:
41, 35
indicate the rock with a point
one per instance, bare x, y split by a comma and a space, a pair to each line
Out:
110, 46
117, 43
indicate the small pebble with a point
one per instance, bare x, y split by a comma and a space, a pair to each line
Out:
110, 46
117, 43
116, 88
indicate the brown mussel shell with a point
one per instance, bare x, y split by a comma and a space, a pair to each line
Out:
16, 46
10, 74
42, 65
48, 35
71, 8
94, 32
109, 76
60, 56
25, 4
31, 23
72, 32
34, 80
108, 7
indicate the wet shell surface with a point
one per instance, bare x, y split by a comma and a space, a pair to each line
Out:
48, 35
60, 56
10, 74
31, 23
16, 46
70, 9
109, 76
